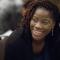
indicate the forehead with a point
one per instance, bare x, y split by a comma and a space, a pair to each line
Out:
41, 12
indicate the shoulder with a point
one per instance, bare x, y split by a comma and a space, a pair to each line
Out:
57, 47
14, 46
17, 40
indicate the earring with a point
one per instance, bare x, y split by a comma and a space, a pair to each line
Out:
52, 33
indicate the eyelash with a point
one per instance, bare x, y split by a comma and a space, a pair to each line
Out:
35, 20
45, 22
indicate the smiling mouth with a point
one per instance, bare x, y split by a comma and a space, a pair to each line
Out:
37, 33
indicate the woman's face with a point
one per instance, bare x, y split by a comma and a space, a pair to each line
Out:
41, 24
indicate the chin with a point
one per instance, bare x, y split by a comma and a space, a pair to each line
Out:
37, 38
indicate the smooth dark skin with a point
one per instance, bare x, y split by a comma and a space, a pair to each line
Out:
41, 24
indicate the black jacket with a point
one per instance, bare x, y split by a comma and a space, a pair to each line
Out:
21, 49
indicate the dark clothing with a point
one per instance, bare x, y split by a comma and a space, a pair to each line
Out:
21, 49
44, 55
6, 41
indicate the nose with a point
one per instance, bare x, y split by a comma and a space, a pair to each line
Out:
38, 25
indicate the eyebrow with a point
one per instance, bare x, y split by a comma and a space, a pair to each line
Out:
34, 16
41, 17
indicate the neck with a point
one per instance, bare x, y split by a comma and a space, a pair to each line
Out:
38, 42
38, 46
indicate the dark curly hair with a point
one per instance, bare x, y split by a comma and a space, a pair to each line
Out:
31, 7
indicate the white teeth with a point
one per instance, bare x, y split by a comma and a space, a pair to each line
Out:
37, 32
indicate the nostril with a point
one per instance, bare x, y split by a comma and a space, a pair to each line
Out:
38, 25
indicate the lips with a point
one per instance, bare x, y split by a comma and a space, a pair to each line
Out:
37, 33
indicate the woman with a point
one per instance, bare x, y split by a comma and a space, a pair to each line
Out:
40, 37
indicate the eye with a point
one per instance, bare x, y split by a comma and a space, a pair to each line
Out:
45, 22
35, 19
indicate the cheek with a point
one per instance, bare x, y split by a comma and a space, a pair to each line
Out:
32, 24
48, 27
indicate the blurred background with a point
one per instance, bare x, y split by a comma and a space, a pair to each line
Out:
10, 15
